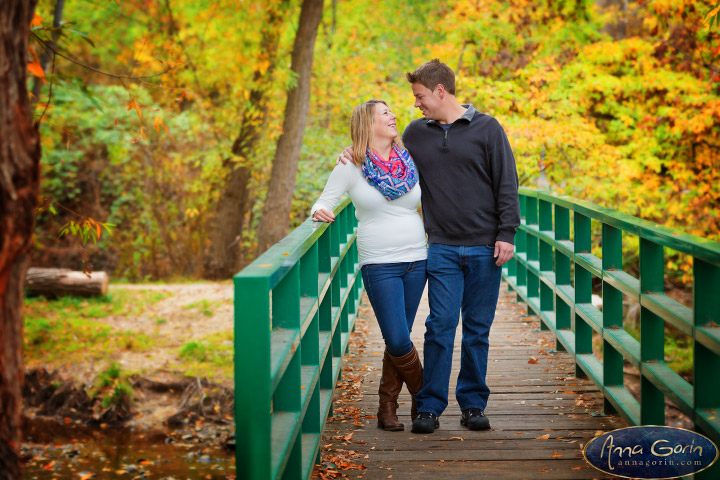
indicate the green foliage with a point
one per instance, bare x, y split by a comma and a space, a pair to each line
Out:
112, 387
210, 356
194, 351
678, 350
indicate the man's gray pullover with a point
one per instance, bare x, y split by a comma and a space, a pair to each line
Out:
468, 179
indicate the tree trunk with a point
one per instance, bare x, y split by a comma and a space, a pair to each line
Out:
56, 282
19, 182
221, 260
276, 211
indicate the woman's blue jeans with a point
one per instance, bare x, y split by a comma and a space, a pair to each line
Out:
467, 279
394, 290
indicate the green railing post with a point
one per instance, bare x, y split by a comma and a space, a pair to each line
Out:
252, 370
652, 332
583, 289
531, 243
521, 251
563, 311
707, 353
612, 310
547, 304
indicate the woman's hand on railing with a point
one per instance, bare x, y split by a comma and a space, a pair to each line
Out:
322, 215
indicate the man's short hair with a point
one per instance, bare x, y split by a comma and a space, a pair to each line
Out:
432, 73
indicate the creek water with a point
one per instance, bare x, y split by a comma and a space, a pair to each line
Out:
53, 450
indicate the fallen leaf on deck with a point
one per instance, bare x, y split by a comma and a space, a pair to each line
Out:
533, 360
555, 455
543, 437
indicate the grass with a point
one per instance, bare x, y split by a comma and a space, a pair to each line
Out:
112, 386
210, 356
70, 329
205, 306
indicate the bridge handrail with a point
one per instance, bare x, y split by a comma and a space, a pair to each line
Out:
552, 273
295, 306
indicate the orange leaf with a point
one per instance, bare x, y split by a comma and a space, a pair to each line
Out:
543, 437
533, 360
133, 104
555, 455
34, 55
576, 468
36, 69
36, 21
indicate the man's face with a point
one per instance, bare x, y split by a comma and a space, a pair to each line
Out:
426, 100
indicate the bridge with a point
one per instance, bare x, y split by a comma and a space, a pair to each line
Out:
562, 366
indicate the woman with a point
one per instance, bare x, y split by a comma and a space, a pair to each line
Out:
383, 184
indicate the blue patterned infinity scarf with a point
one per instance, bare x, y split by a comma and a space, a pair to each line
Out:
394, 177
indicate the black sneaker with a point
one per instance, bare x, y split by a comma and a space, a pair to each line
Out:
474, 419
425, 422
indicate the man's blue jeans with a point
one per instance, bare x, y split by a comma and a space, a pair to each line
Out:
458, 278
394, 290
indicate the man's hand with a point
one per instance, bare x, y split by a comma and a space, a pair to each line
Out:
346, 156
322, 215
503, 252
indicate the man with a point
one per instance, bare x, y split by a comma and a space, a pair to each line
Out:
471, 211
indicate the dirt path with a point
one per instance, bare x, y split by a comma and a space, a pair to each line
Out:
191, 312
163, 392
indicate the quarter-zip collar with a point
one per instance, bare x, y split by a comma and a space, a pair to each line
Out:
468, 115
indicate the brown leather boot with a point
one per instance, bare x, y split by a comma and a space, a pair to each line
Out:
389, 390
411, 372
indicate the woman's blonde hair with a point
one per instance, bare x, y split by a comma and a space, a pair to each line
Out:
361, 134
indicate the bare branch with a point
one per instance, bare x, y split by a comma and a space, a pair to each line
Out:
113, 75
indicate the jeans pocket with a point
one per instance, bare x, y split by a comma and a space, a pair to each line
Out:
369, 266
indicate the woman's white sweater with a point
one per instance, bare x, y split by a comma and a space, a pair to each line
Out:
389, 231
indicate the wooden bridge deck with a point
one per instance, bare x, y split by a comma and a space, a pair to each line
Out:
541, 415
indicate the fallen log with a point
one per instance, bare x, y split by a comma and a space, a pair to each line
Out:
57, 282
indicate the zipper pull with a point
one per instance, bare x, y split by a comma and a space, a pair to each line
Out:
445, 139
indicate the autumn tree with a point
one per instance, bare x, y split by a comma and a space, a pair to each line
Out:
276, 211
221, 260
19, 182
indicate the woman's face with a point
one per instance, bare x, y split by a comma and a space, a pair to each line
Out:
384, 126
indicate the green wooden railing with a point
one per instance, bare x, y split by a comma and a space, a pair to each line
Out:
295, 307
553, 270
